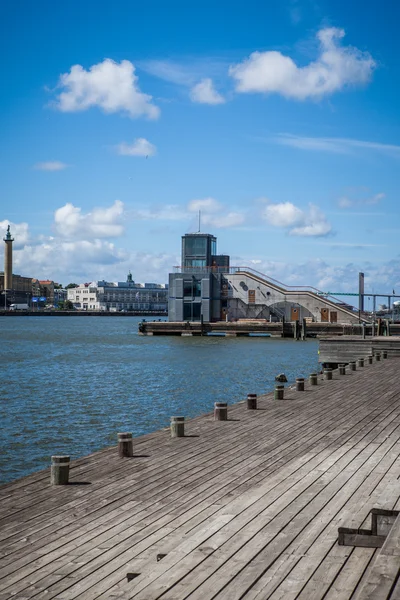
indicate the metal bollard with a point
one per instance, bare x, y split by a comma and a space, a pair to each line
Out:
377, 356
279, 392
384, 354
342, 369
328, 374
300, 384
370, 359
252, 401
360, 362
59, 470
177, 427
220, 411
352, 366
125, 445
313, 379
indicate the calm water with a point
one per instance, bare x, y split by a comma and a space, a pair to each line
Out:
69, 384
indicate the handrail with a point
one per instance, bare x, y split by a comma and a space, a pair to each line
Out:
284, 287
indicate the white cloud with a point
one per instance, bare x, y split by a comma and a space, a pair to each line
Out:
139, 147
170, 71
70, 222
169, 212
335, 68
335, 145
111, 86
52, 165
206, 204
310, 223
284, 214
224, 220
345, 202
205, 93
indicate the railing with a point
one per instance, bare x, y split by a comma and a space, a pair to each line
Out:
267, 278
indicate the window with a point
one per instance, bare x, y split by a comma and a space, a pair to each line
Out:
195, 262
195, 246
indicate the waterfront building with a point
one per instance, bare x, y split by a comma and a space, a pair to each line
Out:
122, 296
197, 286
206, 288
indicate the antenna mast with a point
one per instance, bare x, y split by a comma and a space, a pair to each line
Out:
199, 220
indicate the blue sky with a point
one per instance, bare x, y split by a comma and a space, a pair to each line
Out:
278, 119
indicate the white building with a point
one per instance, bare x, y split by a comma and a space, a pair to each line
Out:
121, 296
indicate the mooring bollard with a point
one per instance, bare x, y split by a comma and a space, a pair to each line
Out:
220, 411
328, 374
352, 366
384, 354
252, 401
370, 359
59, 470
314, 379
377, 356
360, 362
177, 427
279, 392
300, 384
342, 369
125, 444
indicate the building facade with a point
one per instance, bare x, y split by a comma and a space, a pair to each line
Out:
196, 289
205, 288
122, 296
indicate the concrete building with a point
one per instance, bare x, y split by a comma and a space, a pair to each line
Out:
196, 289
206, 288
122, 296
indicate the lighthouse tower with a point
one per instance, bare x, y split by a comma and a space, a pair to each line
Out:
8, 265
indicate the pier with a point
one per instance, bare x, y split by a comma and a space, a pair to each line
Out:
292, 329
246, 506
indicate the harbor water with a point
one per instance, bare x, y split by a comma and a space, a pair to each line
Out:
70, 384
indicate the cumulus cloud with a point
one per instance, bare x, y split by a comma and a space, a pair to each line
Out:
139, 147
205, 93
70, 222
309, 223
52, 165
111, 86
335, 68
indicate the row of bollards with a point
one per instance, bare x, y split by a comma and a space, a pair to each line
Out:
60, 464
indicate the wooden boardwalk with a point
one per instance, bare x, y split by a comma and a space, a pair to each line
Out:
245, 508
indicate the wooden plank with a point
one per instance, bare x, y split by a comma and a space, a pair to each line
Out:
225, 512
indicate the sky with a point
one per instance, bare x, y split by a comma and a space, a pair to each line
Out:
278, 120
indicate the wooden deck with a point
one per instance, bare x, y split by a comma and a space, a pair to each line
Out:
336, 350
245, 508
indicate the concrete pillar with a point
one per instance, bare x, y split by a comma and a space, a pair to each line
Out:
300, 384
279, 392
314, 379
342, 369
328, 374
